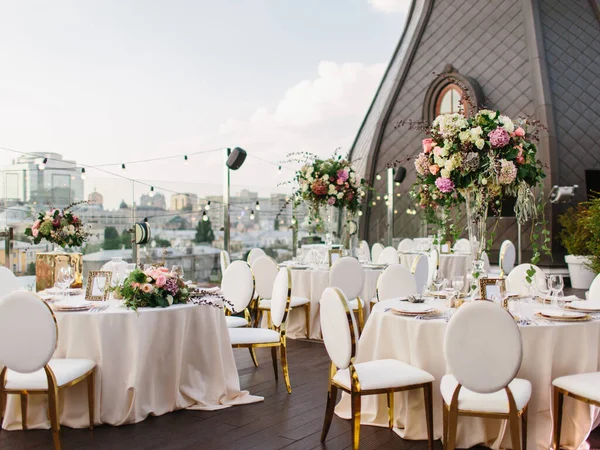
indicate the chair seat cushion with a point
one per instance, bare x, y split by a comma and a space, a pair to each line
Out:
65, 371
383, 374
294, 302
253, 336
496, 402
584, 384
236, 322
354, 304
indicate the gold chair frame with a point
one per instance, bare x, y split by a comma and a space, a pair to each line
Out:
52, 392
558, 396
356, 393
282, 344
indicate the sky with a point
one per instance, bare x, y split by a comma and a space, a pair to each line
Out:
104, 82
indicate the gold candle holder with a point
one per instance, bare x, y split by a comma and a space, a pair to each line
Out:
47, 266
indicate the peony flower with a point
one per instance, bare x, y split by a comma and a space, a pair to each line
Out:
508, 172
161, 280
445, 185
520, 132
147, 288
319, 187
479, 143
342, 174
437, 151
422, 164
428, 145
331, 201
434, 169
499, 137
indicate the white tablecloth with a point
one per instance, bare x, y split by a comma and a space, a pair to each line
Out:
151, 362
451, 264
311, 284
549, 351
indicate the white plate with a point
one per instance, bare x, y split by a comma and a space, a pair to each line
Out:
585, 305
562, 314
414, 307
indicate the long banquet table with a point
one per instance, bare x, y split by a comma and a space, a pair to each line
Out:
152, 361
550, 350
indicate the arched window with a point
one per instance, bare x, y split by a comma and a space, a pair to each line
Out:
448, 100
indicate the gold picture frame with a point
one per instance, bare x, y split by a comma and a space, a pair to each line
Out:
334, 255
93, 291
485, 282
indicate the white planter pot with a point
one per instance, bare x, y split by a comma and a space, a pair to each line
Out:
580, 274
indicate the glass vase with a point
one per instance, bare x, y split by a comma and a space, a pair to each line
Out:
477, 211
330, 225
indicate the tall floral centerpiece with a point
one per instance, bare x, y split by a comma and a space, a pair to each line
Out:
328, 184
479, 160
62, 228
154, 287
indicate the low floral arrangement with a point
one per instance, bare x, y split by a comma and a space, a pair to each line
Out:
155, 287
60, 227
331, 182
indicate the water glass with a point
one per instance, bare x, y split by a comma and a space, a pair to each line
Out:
556, 285
178, 270
458, 283
438, 281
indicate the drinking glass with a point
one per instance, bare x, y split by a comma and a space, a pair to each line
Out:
178, 270
556, 285
100, 284
458, 283
514, 307
66, 277
438, 281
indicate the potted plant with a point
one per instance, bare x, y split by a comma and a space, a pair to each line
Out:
593, 227
575, 236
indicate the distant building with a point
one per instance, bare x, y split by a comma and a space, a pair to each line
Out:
154, 201
183, 202
58, 184
96, 199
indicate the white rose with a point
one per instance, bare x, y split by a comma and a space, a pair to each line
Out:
439, 161
445, 173
479, 143
464, 136
507, 124
340, 195
477, 131
170, 299
325, 177
449, 165
444, 151
484, 181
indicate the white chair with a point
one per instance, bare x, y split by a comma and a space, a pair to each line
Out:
462, 246
508, 256
274, 338
434, 265
486, 263
365, 250
8, 281
483, 352
516, 282
224, 260
395, 281
28, 364
385, 376
406, 245
376, 251
389, 255
420, 269
254, 254
265, 270
584, 387
348, 275
594, 292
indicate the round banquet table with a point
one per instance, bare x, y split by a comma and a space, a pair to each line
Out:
311, 284
451, 264
152, 361
550, 350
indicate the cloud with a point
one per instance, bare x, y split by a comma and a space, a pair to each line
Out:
390, 6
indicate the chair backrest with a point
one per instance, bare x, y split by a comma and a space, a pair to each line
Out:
365, 249
348, 275
396, 281
420, 269
517, 284
483, 346
388, 255
508, 255
254, 254
486, 262
376, 251
462, 246
594, 292
237, 285
281, 296
8, 281
406, 245
265, 269
115, 266
338, 326
28, 332
434, 264
224, 260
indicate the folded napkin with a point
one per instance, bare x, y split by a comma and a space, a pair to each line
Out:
586, 305
567, 298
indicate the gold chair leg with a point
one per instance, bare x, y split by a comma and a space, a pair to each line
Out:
557, 411
514, 430
355, 420
452, 426
390, 402
445, 423
284, 366
91, 386
24, 411
2, 406
274, 357
269, 321
307, 315
331, 399
53, 407
524, 429
361, 316
428, 396
253, 356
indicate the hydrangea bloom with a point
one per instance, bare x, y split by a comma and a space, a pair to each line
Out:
508, 172
422, 164
445, 185
499, 137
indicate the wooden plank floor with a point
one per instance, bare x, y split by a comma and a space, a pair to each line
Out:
282, 421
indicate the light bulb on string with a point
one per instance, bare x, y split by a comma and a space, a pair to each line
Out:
257, 205
185, 160
252, 215
42, 165
360, 213
397, 184
279, 170
151, 194
204, 217
385, 197
123, 169
207, 206
379, 197
378, 177
395, 211
83, 176
374, 203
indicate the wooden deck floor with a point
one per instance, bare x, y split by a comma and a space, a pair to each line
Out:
282, 421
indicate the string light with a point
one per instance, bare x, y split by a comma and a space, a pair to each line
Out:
185, 159
395, 211
374, 203
257, 205
379, 197
397, 184
42, 165
252, 215
385, 197
83, 176
279, 170
398, 195
281, 222
123, 169
360, 213
378, 177
207, 206
151, 191
204, 216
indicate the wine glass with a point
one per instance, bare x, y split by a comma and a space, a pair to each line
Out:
458, 283
100, 284
65, 278
556, 285
178, 270
438, 281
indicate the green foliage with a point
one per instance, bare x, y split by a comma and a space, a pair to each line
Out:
30, 269
126, 238
140, 289
593, 225
112, 240
204, 232
574, 233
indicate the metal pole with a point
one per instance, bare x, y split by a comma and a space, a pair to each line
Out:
390, 207
8, 237
134, 247
226, 186
519, 259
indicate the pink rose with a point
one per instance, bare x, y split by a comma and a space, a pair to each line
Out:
135, 285
434, 169
437, 150
163, 270
35, 232
147, 288
154, 273
340, 181
520, 158
36, 224
331, 201
520, 132
428, 145
342, 175
160, 281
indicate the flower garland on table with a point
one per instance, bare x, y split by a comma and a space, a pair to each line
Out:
205, 297
331, 182
60, 227
154, 287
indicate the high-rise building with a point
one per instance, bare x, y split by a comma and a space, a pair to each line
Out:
56, 182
